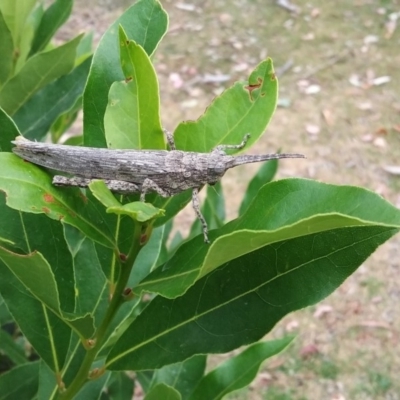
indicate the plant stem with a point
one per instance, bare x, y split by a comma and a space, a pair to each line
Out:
117, 299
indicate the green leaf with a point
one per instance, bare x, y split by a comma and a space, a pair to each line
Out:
264, 175
132, 117
147, 258
214, 206
64, 122
37, 72
22, 230
48, 388
282, 210
139, 211
31, 25
29, 189
34, 272
6, 51
84, 49
37, 115
37, 323
93, 389
15, 14
9, 347
5, 316
238, 371
74, 141
103, 193
128, 311
91, 287
51, 20
144, 378
8, 131
240, 302
27, 286
20, 383
246, 107
47, 382
171, 205
184, 376
164, 392
166, 247
120, 386
146, 23
121, 227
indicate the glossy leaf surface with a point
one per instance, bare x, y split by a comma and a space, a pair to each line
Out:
132, 117
36, 116
52, 19
9, 131
272, 263
264, 175
38, 195
146, 23
238, 371
162, 391
282, 210
37, 72
6, 51
27, 377
184, 376
246, 107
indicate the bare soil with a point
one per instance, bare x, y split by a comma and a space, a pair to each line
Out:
338, 63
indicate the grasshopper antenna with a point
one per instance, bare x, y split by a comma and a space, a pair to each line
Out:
247, 159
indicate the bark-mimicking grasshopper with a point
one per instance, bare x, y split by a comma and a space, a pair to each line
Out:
132, 171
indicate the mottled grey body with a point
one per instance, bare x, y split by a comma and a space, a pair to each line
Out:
174, 171
127, 171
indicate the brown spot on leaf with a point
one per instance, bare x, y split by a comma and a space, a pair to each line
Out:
46, 210
252, 87
48, 198
273, 76
127, 294
143, 239
122, 257
128, 79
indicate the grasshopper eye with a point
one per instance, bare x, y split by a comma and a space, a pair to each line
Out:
219, 168
215, 173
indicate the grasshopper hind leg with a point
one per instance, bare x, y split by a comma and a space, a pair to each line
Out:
196, 207
170, 139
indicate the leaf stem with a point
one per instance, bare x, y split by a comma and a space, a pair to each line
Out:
82, 375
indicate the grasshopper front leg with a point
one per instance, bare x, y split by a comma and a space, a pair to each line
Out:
149, 185
196, 207
223, 147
